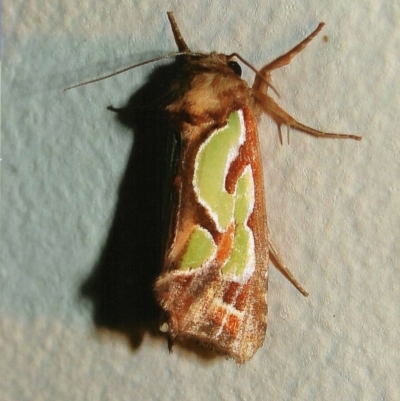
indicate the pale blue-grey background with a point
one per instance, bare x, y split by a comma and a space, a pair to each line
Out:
333, 206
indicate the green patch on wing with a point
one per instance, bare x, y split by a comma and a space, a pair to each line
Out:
244, 197
240, 255
212, 166
242, 243
200, 249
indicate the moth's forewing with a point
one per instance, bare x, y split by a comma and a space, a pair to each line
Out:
213, 285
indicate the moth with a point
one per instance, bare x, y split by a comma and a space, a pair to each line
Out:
213, 285
214, 281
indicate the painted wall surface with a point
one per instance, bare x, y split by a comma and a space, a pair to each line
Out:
77, 321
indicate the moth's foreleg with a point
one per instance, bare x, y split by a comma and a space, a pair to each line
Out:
259, 83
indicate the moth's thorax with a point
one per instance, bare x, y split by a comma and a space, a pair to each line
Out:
206, 92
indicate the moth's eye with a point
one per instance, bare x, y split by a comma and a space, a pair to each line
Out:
235, 67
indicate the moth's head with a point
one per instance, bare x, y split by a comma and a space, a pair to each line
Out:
227, 60
216, 62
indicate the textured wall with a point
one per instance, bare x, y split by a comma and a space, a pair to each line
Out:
68, 166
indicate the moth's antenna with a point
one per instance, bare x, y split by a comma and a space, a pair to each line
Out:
180, 53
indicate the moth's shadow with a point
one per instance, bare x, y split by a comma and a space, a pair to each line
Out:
120, 285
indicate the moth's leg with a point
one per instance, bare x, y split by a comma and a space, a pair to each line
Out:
259, 83
281, 117
280, 264
268, 105
114, 109
180, 42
